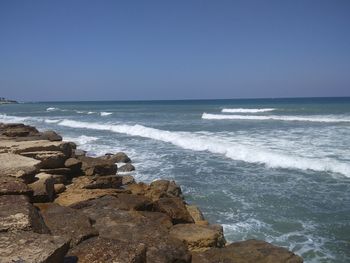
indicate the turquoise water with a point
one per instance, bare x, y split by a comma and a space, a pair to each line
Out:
272, 169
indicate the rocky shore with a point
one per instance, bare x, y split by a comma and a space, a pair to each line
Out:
59, 205
6, 101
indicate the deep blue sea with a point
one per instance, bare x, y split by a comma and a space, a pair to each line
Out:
272, 169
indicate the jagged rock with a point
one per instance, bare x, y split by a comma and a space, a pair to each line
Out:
119, 157
29, 247
17, 130
163, 188
175, 208
126, 168
51, 136
43, 189
105, 182
199, 238
17, 213
74, 165
49, 159
97, 166
99, 250
60, 171
18, 166
68, 222
13, 186
128, 179
59, 188
138, 189
250, 251
196, 214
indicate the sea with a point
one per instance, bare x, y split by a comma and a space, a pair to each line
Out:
270, 169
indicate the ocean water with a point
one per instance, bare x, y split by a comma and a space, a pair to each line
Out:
271, 169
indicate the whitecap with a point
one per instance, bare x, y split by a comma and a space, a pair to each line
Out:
103, 113
242, 110
51, 121
82, 139
52, 109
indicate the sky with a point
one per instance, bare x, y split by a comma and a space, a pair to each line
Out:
183, 49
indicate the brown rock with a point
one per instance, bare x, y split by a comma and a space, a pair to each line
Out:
49, 159
250, 251
74, 165
17, 130
105, 182
138, 189
13, 186
101, 250
97, 166
199, 238
59, 188
51, 136
174, 208
43, 189
77, 153
126, 168
163, 188
29, 247
18, 166
128, 179
119, 157
61, 171
68, 222
195, 213
17, 213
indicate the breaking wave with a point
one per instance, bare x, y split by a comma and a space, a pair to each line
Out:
103, 113
209, 116
52, 109
241, 110
232, 150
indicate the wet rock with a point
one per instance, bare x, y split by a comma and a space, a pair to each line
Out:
175, 209
97, 166
197, 237
99, 250
18, 166
59, 188
29, 247
105, 182
49, 159
51, 136
67, 222
119, 157
126, 168
250, 251
43, 189
14, 186
17, 213
128, 179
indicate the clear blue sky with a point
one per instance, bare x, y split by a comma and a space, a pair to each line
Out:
182, 49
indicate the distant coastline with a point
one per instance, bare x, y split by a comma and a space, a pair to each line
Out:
7, 101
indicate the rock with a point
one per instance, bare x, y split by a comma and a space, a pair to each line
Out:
74, 165
97, 166
126, 168
18, 166
78, 153
17, 130
119, 157
17, 213
138, 189
51, 136
199, 238
100, 250
59, 179
67, 222
43, 189
59, 171
195, 213
174, 208
163, 188
14, 186
29, 247
76, 192
128, 179
105, 182
250, 251
49, 159
59, 188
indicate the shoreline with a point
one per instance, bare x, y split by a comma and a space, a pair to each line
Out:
83, 210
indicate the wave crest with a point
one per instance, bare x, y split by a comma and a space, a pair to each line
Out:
242, 110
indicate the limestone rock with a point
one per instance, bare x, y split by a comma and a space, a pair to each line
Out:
43, 189
17, 130
97, 166
13, 186
51, 136
250, 251
49, 159
30, 247
59, 188
74, 165
174, 208
195, 213
105, 182
119, 157
18, 166
101, 250
197, 237
163, 188
17, 213
128, 179
61, 171
126, 168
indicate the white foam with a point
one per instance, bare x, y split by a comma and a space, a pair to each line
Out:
82, 139
91, 112
12, 119
241, 110
103, 113
232, 150
51, 121
52, 109
209, 116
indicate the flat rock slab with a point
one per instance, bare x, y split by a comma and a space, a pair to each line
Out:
250, 251
197, 237
49, 159
14, 186
175, 208
18, 166
29, 247
68, 222
101, 250
17, 213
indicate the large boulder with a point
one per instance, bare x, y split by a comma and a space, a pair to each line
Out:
17, 213
18, 166
17, 130
105, 182
119, 157
13, 186
126, 168
51, 136
175, 208
199, 238
164, 188
49, 159
97, 166
67, 222
250, 251
30, 247
43, 189
196, 214
98, 250
74, 165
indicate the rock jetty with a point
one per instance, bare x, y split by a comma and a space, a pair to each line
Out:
59, 205
6, 101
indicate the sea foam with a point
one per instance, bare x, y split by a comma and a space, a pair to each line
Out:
241, 110
103, 113
232, 150
209, 116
